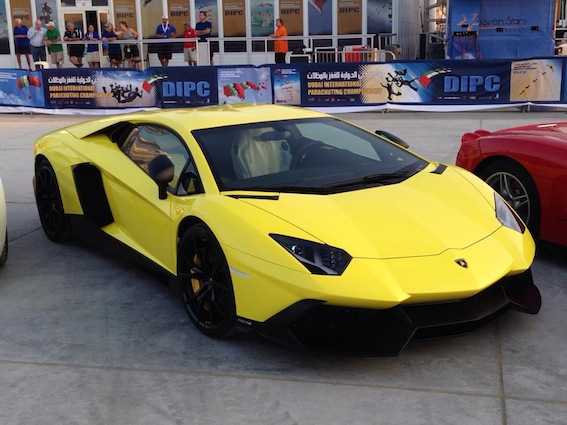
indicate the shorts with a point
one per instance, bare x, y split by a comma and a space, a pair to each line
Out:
190, 54
56, 57
164, 51
76, 51
131, 51
93, 56
23, 50
115, 56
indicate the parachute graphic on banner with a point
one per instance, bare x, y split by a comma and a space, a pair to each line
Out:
28, 80
238, 89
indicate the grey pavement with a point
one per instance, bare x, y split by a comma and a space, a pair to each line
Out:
86, 338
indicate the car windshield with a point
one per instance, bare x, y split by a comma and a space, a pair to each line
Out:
318, 155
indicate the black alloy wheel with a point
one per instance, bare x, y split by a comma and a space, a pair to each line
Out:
49, 205
205, 282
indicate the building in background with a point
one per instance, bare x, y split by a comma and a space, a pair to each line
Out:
410, 28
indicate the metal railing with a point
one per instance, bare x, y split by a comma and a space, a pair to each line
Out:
256, 50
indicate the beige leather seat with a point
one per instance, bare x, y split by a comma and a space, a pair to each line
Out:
260, 151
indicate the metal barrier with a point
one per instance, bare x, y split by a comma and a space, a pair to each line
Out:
258, 50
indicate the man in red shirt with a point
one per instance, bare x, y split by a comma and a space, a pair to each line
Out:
280, 46
189, 47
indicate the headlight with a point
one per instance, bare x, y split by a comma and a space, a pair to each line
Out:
316, 257
507, 216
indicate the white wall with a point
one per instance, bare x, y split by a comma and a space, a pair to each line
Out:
407, 24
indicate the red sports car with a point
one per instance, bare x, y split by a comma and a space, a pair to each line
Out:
528, 166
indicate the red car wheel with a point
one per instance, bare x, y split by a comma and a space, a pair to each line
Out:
517, 187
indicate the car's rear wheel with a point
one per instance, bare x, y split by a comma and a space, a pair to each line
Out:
517, 187
205, 282
4, 255
49, 205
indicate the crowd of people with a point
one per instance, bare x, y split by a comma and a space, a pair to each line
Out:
38, 43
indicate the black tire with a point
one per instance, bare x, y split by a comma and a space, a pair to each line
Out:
205, 282
517, 187
4, 255
49, 205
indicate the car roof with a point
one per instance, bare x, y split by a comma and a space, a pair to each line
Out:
198, 118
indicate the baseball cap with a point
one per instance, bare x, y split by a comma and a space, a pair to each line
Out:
51, 24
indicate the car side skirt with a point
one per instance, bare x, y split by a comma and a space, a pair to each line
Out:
86, 230
314, 326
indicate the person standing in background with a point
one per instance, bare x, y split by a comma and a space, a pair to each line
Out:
22, 43
131, 51
114, 49
203, 29
165, 30
52, 39
36, 35
93, 53
189, 47
75, 51
280, 46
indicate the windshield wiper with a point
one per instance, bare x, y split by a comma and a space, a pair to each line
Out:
374, 178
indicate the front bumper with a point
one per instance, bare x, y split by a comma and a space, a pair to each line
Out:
313, 326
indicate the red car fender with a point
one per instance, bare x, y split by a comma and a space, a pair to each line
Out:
542, 151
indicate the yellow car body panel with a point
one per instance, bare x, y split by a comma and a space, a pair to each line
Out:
380, 283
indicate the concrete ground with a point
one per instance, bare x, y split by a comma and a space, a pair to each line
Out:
89, 339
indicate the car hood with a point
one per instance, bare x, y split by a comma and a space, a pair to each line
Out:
424, 215
557, 131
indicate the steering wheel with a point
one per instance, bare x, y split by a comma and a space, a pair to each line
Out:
303, 152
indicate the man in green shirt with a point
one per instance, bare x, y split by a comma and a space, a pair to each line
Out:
52, 36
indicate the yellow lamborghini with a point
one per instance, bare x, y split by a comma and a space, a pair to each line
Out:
313, 232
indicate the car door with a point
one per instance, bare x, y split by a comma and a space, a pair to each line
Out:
142, 220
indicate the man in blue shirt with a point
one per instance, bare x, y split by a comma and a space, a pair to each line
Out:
22, 42
113, 49
203, 29
165, 30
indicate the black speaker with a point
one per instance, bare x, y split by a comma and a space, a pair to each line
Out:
422, 46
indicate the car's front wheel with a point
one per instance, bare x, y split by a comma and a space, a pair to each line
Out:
205, 282
517, 187
49, 204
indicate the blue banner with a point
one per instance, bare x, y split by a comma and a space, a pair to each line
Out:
420, 82
21, 88
186, 86
98, 88
416, 82
502, 32
244, 84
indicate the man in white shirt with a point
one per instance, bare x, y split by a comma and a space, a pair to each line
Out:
36, 34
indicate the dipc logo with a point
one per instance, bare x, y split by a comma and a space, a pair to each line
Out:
471, 84
186, 89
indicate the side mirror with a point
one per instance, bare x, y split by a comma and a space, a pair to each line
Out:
391, 137
190, 183
160, 170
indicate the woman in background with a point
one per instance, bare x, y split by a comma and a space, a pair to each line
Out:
93, 55
131, 51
